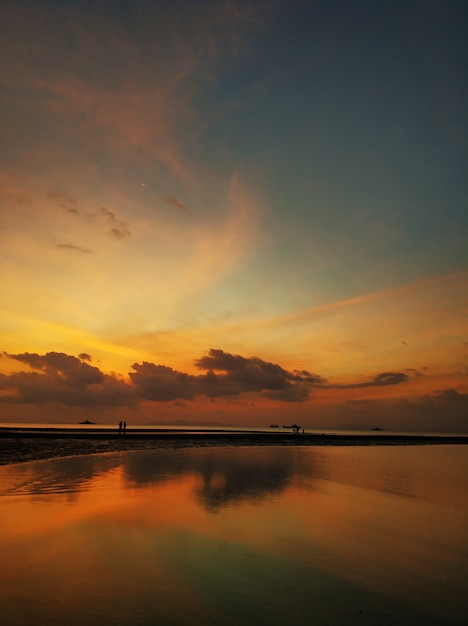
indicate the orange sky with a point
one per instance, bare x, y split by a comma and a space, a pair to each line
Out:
198, 224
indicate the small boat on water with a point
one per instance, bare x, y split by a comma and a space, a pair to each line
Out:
295, 427
87, 422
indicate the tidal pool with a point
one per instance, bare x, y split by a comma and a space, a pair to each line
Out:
281, 536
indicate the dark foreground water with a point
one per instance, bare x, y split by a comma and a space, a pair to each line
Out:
258, 535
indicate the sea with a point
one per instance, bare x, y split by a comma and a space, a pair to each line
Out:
274, 535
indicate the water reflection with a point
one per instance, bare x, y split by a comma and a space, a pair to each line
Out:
62, 475
223, 476
232, 536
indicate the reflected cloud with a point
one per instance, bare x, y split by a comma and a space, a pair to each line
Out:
223, 476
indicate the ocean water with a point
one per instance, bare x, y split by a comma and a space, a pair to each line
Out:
259, 535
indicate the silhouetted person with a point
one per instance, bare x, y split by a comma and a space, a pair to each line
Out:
124, 428
120, 427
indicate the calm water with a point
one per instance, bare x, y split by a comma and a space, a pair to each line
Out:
336, 535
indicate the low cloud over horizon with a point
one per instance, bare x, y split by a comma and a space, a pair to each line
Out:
56, 377
60, 377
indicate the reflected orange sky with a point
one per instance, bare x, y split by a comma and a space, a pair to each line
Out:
149, 531
393, 527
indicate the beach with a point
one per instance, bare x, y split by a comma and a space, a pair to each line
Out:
32, 443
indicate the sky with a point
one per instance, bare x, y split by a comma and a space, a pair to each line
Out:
234, 212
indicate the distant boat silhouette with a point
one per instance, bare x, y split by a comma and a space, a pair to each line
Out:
274, 426
376, 428
295, 427
87, 422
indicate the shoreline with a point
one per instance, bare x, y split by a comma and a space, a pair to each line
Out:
19, 446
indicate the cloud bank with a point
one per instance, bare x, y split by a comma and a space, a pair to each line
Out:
73, 381
59, 377
226, 375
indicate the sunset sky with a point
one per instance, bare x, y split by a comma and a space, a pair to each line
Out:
234, 212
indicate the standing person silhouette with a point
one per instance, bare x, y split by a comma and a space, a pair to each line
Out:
124, 428
120, 427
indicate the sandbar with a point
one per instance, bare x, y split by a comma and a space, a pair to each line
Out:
31, 444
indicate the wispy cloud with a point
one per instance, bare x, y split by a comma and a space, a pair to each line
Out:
64, 201
119, 228
73, 248
145, 105
392, 295
175, 202
379, 380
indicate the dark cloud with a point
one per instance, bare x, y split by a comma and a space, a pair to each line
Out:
227, 375
119, 229
290, 393
240, 374
175, 202
120, 233
71, 380
390, 378
59, 377
73, 248
64, 201
161, 383
447, 395
443, 410
70, 369
379, 380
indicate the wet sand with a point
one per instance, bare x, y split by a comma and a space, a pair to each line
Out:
18, 445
